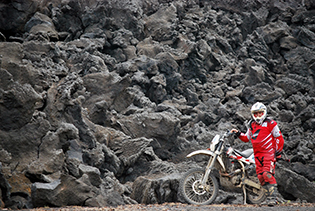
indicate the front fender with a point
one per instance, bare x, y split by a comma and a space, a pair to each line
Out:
206, 152
201, 152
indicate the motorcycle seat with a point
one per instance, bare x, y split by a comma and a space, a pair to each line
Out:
246, 153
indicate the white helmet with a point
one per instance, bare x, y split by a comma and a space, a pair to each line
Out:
259, 107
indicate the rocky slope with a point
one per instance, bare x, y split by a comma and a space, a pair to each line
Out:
101, 100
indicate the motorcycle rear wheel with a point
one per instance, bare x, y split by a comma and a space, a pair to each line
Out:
254, 195
192, 191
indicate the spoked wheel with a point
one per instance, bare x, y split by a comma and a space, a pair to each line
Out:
254, 195
194, 192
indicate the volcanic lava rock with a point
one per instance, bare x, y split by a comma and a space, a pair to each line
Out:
100, 101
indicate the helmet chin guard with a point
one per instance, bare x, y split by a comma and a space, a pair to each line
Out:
256, 108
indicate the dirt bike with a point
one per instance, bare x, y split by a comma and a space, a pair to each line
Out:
234, 168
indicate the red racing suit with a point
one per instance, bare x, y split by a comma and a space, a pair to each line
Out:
267, 142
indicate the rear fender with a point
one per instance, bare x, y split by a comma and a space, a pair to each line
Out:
206, 152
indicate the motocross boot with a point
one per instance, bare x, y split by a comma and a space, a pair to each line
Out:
273, 196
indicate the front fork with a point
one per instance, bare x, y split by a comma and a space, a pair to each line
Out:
211, 164
208, 169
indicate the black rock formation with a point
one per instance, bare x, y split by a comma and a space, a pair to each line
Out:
101, 100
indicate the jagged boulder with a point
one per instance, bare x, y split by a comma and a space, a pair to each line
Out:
293, 185
15, 14
156, 189
41, 27
65, 191
160, 24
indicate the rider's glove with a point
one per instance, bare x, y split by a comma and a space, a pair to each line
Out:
237, 134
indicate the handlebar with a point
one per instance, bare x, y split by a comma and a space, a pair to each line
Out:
229, 133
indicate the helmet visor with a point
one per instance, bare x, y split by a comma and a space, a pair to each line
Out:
258, 113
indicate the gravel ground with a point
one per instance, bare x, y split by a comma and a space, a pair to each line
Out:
186, 207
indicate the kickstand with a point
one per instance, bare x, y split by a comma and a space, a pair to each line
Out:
244, 193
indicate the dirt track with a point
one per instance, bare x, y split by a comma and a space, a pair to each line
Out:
186, 207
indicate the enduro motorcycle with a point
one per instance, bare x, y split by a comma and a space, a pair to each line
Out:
235, 168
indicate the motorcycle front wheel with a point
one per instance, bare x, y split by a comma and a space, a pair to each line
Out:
194, 192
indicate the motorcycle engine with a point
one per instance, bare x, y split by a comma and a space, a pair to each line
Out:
236, 180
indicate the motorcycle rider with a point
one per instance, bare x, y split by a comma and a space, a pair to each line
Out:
267, 142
